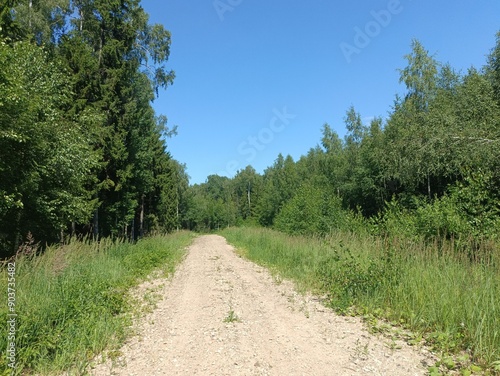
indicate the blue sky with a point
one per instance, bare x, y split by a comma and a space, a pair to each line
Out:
255, 78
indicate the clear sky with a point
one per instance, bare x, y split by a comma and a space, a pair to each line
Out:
255, 78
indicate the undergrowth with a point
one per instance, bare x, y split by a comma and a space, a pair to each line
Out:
73, 302
449, 300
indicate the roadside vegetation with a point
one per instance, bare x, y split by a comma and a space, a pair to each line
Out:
445, 299
399, 218
74, 301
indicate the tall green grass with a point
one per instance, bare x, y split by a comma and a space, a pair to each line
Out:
73, 301
453, 302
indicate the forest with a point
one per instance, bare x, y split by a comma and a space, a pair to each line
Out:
430, 170
81, 150
397, 218
84, 154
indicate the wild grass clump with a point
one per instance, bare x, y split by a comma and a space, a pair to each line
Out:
73, 301
449, 298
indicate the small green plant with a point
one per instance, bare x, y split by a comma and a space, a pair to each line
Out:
434, 371
277, 278
361, 351
231, 317
496, 366
150, 299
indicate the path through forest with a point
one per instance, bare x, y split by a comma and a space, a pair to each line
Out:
223, 315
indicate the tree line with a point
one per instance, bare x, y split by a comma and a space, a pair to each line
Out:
430, 169
82, 151
81, 148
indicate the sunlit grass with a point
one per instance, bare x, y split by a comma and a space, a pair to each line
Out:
450, 300
73, 301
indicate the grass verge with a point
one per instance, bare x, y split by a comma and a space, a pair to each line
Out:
443, 298
73, 302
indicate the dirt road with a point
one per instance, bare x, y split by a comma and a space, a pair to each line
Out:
223, 315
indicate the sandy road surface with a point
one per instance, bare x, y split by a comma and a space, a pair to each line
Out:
277, 331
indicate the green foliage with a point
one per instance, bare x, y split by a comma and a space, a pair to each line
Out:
73, 302
493, 68
436, 219
446, 298
222, 202
478, 200
212, 205
419, 161
247, 187
9, 29
349, 279
279, 184
43, 20
231, 317
46, 159
439, 218
81, 147
468, 211
419, 76
312, 211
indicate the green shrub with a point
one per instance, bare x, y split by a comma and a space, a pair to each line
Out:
349, 277
440, 218
313, 210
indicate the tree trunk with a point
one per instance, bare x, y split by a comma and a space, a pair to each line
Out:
132, 230
29, 14
141, 218
100, 46
249, 201
81, 20
95, 224
429, 186
177, 214
18, 236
